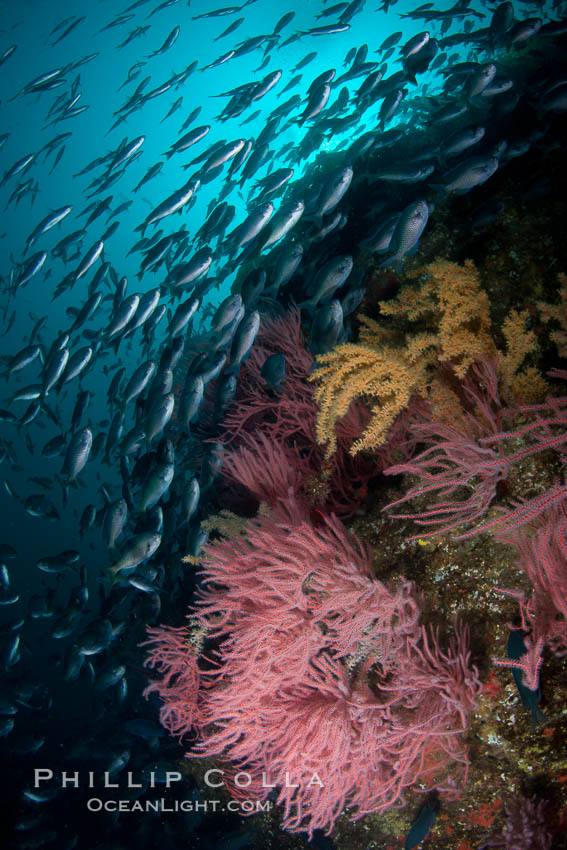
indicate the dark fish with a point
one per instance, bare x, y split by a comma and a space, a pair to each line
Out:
462, 140
515, 649
61, 248
152, 172
287, 263
110, 676
87, 311
230, 29
273, 370
187, 141
423, 823
327, 327
169, 42
66, 624
7, 53
80, 408
88, 518
225, 392
95, 638
40, 506
253, 287
54, 447
133, 441
390, 41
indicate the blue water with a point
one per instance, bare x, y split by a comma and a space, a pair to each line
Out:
24, 116
28, 25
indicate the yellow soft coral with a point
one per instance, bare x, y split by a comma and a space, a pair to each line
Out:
451, 303
445, 320
352, 370
522, 384
557, 314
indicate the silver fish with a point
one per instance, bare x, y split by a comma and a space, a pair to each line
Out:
54, 368
115, 518
47, 223
77, 363
159, 415
173, 203
407, 232
138, 381
328, 279
77, 454
138, 549
156, 485
90, 257
122, 316
334, 190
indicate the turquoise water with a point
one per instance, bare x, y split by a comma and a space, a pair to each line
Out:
65, 716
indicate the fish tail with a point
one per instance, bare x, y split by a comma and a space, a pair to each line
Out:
394, 263
537, 717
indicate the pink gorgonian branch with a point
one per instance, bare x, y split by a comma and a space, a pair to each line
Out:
469, 463
175, 659
453, 464
315, 669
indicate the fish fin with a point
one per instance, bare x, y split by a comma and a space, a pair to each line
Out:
108, 583
232, 369
308, 305
440, 189
394, 262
